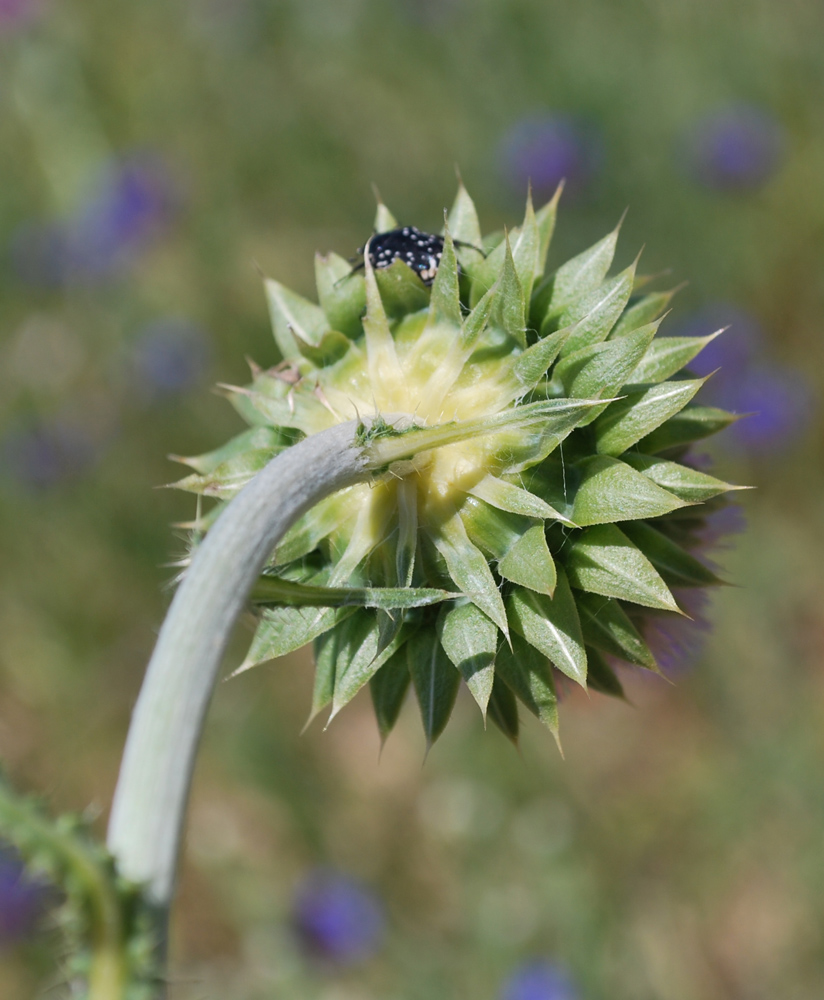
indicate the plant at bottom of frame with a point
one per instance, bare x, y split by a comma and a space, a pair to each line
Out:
549, 531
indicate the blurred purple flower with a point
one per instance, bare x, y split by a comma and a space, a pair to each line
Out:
676, 641
779, 399
549, 148
738, 147
337, 918
44, 454
779, 403
22, 899
170, 356
133, 202
539, 979
732, 352
18, 13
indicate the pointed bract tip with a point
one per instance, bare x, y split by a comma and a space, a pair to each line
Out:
617, 229
246, 665
332, 714
376, 193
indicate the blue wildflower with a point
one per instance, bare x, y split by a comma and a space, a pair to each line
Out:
18, 13
170, 356
548, 148
22, 899
778, 398
337, 918
46, 453
539, 979
738, 147
132, 203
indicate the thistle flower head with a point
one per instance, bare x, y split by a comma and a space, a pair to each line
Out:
528, 507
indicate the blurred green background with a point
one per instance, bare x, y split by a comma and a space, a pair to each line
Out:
153, 157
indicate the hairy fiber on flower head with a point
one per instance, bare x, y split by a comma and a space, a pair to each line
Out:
531, 506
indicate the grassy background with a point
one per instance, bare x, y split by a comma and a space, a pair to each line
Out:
677, 853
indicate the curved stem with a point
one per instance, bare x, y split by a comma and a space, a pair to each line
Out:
153, 788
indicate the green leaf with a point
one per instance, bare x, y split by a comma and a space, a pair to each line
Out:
381, 356
525, 252
388, 689
244, 405
529, 563
283, 630
534, 441
508, 309
528, 674
601, 675
402, 291
292, 314
628, 420
691, 424
255, 439
601, 370
445, 307
686, 483
579, 276
303, 410
469, 569
593, 315
342, 294
384, 219
494, 531
551, 625
607, 626
610, 490
389, 625
486, 273
645, 310
326, 650
528, 368
677, 567
470, 640
435, 679
462, 220
604, 561
407, 543
524, 428
545, 220
358, 657
507, 496
230, 476
475, 323
316, 524
503, 709
273, 590
666, 356
332, 347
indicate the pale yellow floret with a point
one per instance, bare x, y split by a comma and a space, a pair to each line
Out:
421, 371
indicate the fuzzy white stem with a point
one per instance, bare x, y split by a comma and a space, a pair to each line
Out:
153, 788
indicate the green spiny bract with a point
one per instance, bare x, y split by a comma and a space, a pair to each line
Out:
537, 541
108, 925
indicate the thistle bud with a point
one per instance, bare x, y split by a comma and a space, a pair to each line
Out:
532, 510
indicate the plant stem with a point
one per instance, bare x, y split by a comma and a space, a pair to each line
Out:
152, 791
